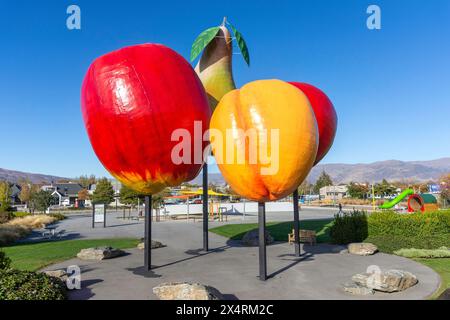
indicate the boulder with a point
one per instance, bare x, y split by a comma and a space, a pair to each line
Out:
362, 249
186, 291
386, 281
251, 238
60, 274
98, 254
155, 245
358, 290
339, 249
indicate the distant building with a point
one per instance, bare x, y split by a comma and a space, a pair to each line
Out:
333, 192
15, 193
64, 194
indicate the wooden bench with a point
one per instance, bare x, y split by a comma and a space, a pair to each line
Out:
308, 236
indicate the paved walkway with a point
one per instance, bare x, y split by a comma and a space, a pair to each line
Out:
231, 268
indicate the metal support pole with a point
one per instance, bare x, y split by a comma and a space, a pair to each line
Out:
262, 241
296, 225
205, 208
148, 234
93, 216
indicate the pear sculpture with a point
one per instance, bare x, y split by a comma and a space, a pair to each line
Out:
214, 67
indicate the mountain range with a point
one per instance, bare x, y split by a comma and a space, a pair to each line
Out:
390, 170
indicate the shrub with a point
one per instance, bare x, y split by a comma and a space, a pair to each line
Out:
21, 227
26, 285
20, 214
391, 231
5, 262
442, 252
58, 216
349, 227
9, 234
32, 222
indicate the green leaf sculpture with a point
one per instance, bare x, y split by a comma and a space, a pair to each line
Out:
241, 43
202, 41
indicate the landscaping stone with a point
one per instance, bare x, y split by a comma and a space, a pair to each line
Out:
155, 245
186, 291
362, 249
387, 281
340, 250
101, 253
358, 290
251, 238
60, 274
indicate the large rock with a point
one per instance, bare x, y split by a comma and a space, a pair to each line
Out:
358, 290
251, 238
98, 254
155, 245
186, 291
60, 274
387, 281
362, 249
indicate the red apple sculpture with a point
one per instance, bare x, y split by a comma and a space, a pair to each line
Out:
325, 115
132, 101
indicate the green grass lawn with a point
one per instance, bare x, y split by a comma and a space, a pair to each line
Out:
441, 266
278, 230
35, 256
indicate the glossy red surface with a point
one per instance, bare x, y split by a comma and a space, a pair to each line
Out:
132, 101
325, 115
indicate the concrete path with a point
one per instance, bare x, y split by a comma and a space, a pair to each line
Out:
229, 267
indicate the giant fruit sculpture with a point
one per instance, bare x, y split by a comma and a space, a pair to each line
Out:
265, 107
325, 115
215, 65
132, 101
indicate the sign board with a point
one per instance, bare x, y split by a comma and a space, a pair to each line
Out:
99, 214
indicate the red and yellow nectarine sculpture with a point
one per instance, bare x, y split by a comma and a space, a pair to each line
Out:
326, 117
132, 101
266, 107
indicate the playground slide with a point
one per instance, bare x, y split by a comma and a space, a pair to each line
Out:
399, 198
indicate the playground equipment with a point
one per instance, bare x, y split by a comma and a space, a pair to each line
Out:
422, 202
399, 198
416, 202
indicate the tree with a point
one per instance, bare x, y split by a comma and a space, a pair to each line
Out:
104, 192
384, 188
41, 200
86, 181
357, 191
305, 188
128, 196
27, 190
324, 180
83, 195
445, 189
5, 196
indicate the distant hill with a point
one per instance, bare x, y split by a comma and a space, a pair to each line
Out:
377, 171
371, 172
16, 176
340, 173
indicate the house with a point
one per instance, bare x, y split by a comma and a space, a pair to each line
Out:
64, 194
15, 190
333, 192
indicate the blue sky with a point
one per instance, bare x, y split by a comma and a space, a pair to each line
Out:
390, 87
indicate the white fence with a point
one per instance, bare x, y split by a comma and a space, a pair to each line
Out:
229, 208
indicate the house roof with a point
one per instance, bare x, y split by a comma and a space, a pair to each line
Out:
68, 189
